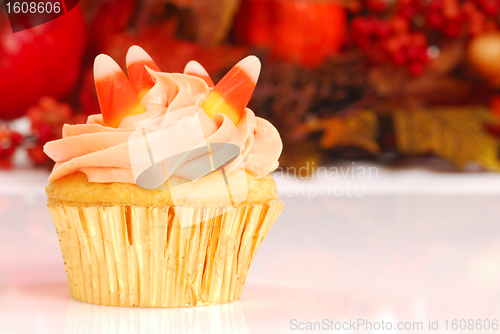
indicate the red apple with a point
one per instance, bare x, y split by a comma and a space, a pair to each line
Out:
41, 61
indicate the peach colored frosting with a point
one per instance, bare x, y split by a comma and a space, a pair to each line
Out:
102, 152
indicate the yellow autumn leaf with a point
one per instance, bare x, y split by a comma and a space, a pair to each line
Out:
456, 134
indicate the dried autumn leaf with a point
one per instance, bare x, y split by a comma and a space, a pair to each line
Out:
301, 158
173, 58
436, 88
451, 54
456, 134
214, 18
359, 130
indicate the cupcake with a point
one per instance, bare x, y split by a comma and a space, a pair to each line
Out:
163, 199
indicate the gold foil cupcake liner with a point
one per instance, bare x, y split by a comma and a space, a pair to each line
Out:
142, 256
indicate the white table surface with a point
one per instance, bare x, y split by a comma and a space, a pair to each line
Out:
418, 245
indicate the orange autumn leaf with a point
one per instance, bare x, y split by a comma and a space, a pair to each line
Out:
359, 130
213, 18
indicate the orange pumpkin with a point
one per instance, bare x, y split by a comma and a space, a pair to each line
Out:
302, 31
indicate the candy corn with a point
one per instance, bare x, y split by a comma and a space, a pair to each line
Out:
194, 68
115, 93
231, 94
137, 59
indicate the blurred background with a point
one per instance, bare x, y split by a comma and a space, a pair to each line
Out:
388, 81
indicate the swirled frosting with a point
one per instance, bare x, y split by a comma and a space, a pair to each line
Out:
102, 153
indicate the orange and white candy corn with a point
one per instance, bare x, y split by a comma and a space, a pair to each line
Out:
137, 59
233, 92
117, 98
195, 69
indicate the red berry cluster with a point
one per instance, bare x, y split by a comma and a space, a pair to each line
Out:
444, 16
453, 17
47, 119
374, 6
377, 6
481, 15
397, 37
9, 142
390, 40
409, 8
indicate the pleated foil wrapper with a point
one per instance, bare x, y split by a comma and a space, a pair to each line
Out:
160, 256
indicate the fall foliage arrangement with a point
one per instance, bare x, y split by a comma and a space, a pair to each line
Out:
350, 79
